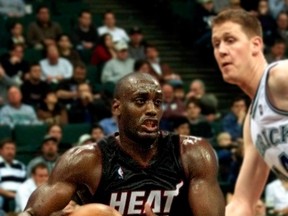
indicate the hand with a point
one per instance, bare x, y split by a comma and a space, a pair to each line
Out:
14, 59
87, 45
148, 210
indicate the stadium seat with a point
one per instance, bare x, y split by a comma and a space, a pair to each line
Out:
72, 132
5, 132
29, 137
32, 55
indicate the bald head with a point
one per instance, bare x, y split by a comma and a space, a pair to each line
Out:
131, 81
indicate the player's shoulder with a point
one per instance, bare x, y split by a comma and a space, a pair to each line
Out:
188, 142
279, 71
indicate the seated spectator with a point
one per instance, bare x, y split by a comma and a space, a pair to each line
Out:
104, 50
118, 67
43, 31
97, 132
66, 50
142, 66
172, 108
39, 175
16, 35
181, 126
204, 13
178, 88
5, 83
137, 44
15, 112
33, 89
276, 7
12, 173
84, 34
14, 64
49, 154
277, 51
109, 125
55, 68
109, 21
157, 68
276, 196
267, 22
198, 124
67, 89
282, 27
233, 121
50, 111
83, 110
12, 8
55, 130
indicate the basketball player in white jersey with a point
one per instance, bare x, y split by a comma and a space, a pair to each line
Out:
238, 46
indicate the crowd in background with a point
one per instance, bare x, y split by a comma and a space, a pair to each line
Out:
72, 79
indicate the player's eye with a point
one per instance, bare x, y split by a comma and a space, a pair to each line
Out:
140, 101
158, 102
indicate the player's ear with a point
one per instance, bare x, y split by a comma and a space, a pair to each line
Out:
116, 107
257, 45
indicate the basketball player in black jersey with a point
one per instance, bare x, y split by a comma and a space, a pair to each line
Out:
138, 171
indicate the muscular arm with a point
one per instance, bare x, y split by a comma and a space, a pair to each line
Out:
77, 167
251, 180
200, 166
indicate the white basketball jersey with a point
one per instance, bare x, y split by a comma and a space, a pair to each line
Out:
269, 129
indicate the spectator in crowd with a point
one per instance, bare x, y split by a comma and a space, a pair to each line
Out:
83, 110
43, 31
181, 126
55, 68
172, 108
67, 89
142, 66
84, 35
276, 196
14, 64
178, 87
66, 50
109, 125
15, 112
267, 22
137, 44
97, 132
198, 124
277, 51
158, 69
276, 7
204, 14
50, 111
5, 83
282, 27
55, 130
196, 90
49, 154
12, 8
118, 34
260, 208
16, 35
12, 173
118, 67
39, 175
233, 121
104, 51
34, 89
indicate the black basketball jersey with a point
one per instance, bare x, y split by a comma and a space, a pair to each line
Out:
127, 187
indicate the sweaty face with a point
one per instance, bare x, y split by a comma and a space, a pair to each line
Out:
140, 110
232, 50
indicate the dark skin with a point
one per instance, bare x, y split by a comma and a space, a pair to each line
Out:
137, 100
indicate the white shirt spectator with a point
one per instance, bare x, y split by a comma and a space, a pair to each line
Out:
12, 8
276, 195
118, 34
63, 68
23, 193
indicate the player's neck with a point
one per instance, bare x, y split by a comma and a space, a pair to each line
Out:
142, 155
250, 84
